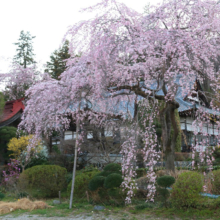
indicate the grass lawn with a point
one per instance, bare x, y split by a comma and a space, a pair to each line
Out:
131, 212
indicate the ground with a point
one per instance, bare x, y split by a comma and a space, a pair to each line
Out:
87, 216
84, 210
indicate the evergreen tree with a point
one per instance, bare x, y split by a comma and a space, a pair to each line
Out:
25, 55
2, 104
57, 63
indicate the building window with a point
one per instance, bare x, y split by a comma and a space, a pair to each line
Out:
89, 134
69, 135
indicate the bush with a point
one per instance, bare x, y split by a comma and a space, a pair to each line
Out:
216, 155
142, 182
96, 182
81, 184
185, 192
22, 195
103, 173
6, 134
104, 186
11, 175
113, 168
113, 180
48, 179
2, 196
141, 172
68, 178
109, 169
165, 181
216, 182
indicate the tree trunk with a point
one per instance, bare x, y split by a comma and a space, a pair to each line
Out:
167, 118
170, 158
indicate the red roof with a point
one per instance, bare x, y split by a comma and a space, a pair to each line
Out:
12, 108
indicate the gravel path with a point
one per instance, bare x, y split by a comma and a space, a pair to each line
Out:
77, 217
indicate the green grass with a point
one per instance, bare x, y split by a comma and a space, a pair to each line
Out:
138, 210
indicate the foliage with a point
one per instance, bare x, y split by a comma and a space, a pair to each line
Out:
216, 155
141, 172
22, 195
104, 173
113, 180
144, 206
19, 80
96, 182
48, 179
6, 133
57, 64
216, 182
41, 158
81, 185
165, 181
25, 55
2, 196
18, 145
2, 104
185, 192
113, 168
109, 169
26, 149
11, 175
142, 182
105, 185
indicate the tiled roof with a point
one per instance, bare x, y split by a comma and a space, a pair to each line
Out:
11, 109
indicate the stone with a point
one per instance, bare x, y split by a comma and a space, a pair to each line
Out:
98, 207
56, 202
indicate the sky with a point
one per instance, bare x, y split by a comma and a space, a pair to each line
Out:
48, 20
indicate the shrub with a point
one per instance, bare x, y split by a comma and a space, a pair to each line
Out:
113, 168
185, 192
109, 169
81, 184
104, 186
216, 182
141, 172
165, 181
113, 180
11, 175
2, 196
142, 182
68, 178
20, 151
216, 155
48, 179
103, 173
6, 134
161, 173
22, 195
96, 182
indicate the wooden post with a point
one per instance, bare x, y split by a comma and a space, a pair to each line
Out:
75, 158
60, 196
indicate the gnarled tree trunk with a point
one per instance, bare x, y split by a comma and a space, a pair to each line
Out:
167, 118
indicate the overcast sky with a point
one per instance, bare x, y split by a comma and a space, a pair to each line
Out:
47, 20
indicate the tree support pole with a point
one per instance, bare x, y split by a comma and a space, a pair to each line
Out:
75, 159
74, 165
